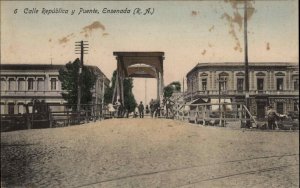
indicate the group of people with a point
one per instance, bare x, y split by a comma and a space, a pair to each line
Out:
154, 108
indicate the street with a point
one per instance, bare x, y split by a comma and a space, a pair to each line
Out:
149, 153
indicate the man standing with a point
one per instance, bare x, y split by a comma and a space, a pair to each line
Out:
152, 107
141, 109
272, 117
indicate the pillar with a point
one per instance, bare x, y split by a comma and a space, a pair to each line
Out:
158, 85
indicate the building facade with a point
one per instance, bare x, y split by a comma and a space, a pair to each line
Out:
20, 83
273, 83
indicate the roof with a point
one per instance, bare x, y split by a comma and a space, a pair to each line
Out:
30, 66
42, 67
242, 64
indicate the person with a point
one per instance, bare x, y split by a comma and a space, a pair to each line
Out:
141, 109
272, 117
169, 105
147, 109
136, 112
111, 110
117, 107
152, 107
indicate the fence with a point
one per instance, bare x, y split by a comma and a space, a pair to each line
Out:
42, 115
219, 114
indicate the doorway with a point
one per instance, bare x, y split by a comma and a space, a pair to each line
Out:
261, 112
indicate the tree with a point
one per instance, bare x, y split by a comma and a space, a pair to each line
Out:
129, 100
69, 83
171, 88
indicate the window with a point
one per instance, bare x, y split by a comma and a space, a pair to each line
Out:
11, 84
296, 107
222, 84
30, 83
279, 107
21, 84
53, 83
240, 84
3, 84
204, 84
296, 84
11, 108
260, 84
20, 108
279, 85
40, 84
2, 106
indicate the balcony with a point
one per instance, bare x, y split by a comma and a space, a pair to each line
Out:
241, 93
56, 93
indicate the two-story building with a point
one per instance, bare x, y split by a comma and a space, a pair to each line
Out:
272, 83
20, 83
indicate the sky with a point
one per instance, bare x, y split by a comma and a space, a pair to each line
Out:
189, 32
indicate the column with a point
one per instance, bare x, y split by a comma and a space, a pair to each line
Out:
6, 84
122, 86
5, 107
35, 84
16, 107
212, 80
209, 80
161, 75
268, 81
162, 83
17, 84
46, 88
234, 82
272, 81
254, 84
288, 80
158, 85
231, 81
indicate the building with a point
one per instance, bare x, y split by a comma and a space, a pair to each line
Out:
273, 83
20, 83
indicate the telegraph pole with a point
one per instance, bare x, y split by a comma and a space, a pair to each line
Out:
246, 62
80, 47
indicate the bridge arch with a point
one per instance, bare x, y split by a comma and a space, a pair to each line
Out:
140, 65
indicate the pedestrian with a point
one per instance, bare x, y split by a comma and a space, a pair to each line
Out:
152, 107
272, 117
147, 109
117, 107
136, 112
111, 110
141, 109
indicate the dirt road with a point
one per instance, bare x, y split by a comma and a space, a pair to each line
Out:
149, 153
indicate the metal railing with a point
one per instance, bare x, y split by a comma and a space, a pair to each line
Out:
43, 115
216, 114
240, 92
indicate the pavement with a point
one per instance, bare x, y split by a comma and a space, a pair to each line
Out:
149, 153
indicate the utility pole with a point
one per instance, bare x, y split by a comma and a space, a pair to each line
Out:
80, 49
246, 62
